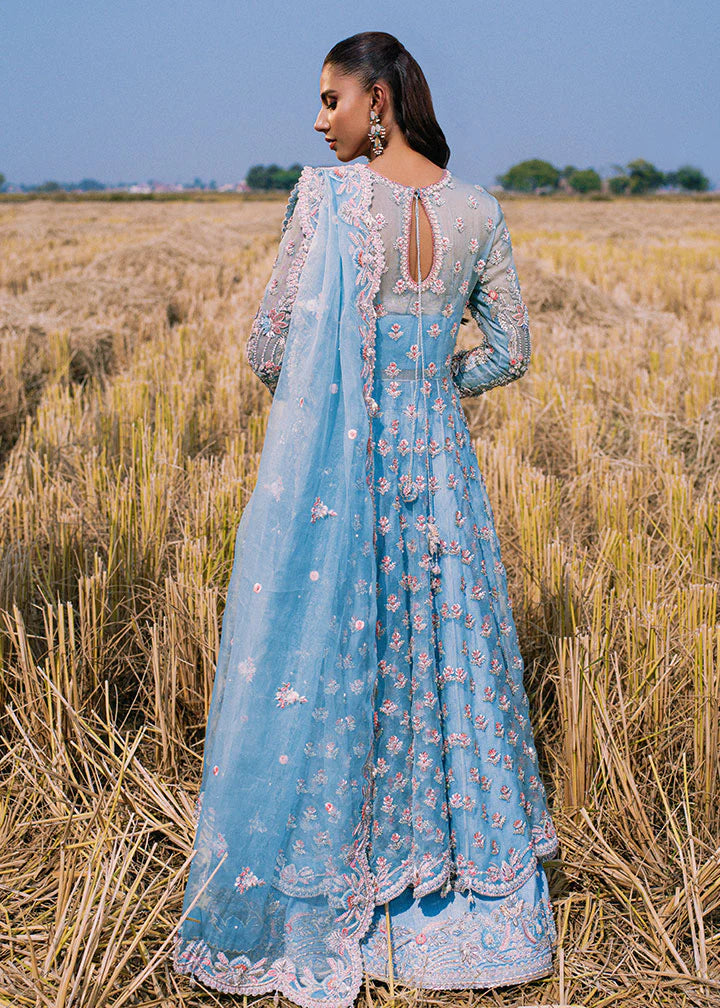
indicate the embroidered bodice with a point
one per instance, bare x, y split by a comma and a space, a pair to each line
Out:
472, 267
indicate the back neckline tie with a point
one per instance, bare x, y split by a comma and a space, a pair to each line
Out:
410, 491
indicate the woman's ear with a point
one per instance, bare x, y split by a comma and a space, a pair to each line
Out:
379, 98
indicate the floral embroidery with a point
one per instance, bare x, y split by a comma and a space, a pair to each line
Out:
246, 880
497, 306
507, 942
432, 281
246, 669
286, 695
370, 261
320, 510
268, 333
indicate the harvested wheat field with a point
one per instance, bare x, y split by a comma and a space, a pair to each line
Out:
130, 432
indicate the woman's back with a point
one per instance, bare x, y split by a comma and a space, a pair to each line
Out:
471, 266
460, 218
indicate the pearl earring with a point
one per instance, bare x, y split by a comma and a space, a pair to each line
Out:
377, 132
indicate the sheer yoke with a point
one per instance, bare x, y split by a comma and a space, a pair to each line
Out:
453, 823
472, 266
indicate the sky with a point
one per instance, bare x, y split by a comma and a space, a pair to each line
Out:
172, 90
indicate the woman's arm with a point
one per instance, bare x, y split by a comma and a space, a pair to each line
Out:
497, 306
266, 343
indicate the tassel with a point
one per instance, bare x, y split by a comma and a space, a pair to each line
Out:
471, 899
434, 540
446, 887
434, 544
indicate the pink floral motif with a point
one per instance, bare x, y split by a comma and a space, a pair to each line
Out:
287, 695
246, 880
320, 510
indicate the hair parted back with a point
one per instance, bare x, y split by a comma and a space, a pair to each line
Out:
373, 56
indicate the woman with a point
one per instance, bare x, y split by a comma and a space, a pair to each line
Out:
371, 800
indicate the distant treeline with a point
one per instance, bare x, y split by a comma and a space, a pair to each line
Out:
638, 176
273, 176
531, 176
535, 175
260, 177
91, 185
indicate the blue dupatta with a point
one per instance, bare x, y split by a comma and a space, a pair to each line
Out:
280, 892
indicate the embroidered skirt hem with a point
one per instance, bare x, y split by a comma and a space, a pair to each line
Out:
460, 942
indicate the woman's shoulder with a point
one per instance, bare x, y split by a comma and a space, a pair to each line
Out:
308, 190
313, 173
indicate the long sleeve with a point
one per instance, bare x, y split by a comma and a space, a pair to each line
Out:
266, 343
496, 304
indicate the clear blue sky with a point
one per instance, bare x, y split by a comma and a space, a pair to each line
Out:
173, 90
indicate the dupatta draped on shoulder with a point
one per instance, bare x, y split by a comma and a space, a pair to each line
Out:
280, 893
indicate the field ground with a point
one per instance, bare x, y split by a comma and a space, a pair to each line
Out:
130, 433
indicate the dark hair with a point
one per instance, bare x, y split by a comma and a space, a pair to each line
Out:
373, 56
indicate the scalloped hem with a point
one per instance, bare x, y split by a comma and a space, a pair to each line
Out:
455, 979
541, 852
462, 942
198, 975
537, 925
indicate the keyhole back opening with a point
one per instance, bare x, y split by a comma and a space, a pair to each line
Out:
427, 250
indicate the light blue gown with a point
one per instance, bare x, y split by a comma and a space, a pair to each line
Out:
369, 738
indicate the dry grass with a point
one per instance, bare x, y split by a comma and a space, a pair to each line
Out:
130, 432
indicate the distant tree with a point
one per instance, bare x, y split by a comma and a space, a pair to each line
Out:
643, 176
90, 185
619, 184
688, 177
257, 177
2, 181
212, 184
285, 180
584, 181
567, 171
198, 183
526, 176
273, 177
48, 187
